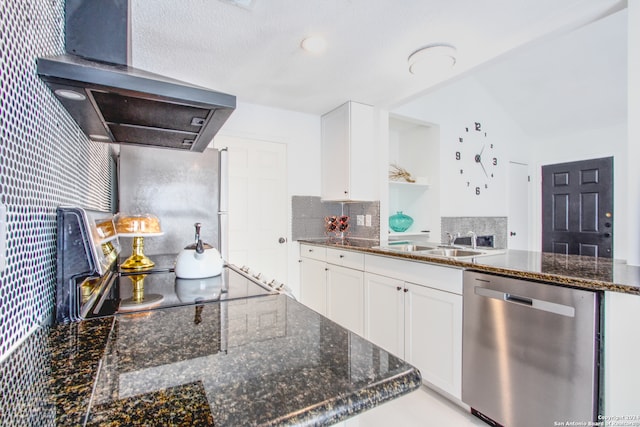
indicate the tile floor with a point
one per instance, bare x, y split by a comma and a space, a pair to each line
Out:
422, 408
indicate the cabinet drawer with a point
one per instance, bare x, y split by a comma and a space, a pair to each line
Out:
348, 259
313, 252
447, 279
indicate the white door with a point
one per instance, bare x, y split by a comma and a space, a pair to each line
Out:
384, 312
258, 205
518, 206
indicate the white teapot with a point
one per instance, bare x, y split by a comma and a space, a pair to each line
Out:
198, 260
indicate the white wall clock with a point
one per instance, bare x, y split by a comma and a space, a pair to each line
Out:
476, 157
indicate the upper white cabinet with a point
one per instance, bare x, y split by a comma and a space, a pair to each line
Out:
349, 153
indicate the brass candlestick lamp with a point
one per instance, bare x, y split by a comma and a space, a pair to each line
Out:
138, 227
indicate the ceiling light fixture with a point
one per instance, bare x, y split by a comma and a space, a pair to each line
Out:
245, 4
432, 60
314, 44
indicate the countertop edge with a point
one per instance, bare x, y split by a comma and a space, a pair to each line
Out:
568, 281
345, 406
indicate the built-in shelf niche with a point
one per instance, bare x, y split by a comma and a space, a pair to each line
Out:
415, 147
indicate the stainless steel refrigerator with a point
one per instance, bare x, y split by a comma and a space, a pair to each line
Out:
180, 188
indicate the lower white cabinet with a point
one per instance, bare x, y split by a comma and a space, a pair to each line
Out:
420, 323
433, 336
345, 297
313, 284
384, 312
333, 290
411, 309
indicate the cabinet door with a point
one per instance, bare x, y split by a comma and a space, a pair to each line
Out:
335, 154
313, 284
347, 153
433, 337
345, 297
384, 312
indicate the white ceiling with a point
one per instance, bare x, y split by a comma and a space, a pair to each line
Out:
254, 52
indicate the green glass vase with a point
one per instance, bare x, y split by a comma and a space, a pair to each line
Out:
400, 222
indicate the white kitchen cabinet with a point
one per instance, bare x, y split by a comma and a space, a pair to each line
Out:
332, 283
349, 152
313, 284
433, 336
384, 312
345, 297
414, 310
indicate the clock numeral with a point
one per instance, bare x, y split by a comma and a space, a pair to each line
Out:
491, 145
468, 184
491, 175
477, 191
495, 161
461, 139
458, 155
478, 126
461, 171
486, 186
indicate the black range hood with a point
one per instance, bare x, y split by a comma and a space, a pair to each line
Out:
113, 102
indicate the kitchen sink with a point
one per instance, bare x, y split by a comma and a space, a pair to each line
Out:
453, 252
407, 248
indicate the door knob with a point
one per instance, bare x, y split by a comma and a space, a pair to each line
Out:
282, 240
607, 234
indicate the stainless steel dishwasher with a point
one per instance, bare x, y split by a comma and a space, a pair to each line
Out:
530, 351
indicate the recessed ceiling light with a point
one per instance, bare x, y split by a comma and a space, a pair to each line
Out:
434, 60
314, 44
70, 94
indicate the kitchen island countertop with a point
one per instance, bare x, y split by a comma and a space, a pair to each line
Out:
259, 361
582, 272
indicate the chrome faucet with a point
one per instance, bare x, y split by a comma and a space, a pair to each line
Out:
451, 238
474, 239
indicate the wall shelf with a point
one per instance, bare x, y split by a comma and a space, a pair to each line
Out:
403, 184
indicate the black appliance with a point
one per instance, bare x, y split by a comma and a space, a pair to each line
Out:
91, 284
114, 102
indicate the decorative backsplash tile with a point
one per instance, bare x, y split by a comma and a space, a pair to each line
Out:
481, 225
309, 212
45, 161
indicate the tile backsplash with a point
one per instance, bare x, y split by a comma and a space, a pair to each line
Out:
309, 212
481, 225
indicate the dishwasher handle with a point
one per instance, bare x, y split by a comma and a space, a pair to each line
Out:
536, 304
518, 299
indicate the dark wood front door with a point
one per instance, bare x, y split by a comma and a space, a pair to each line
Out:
577, 208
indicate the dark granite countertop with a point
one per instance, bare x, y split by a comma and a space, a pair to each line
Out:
569, 270
260, 361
